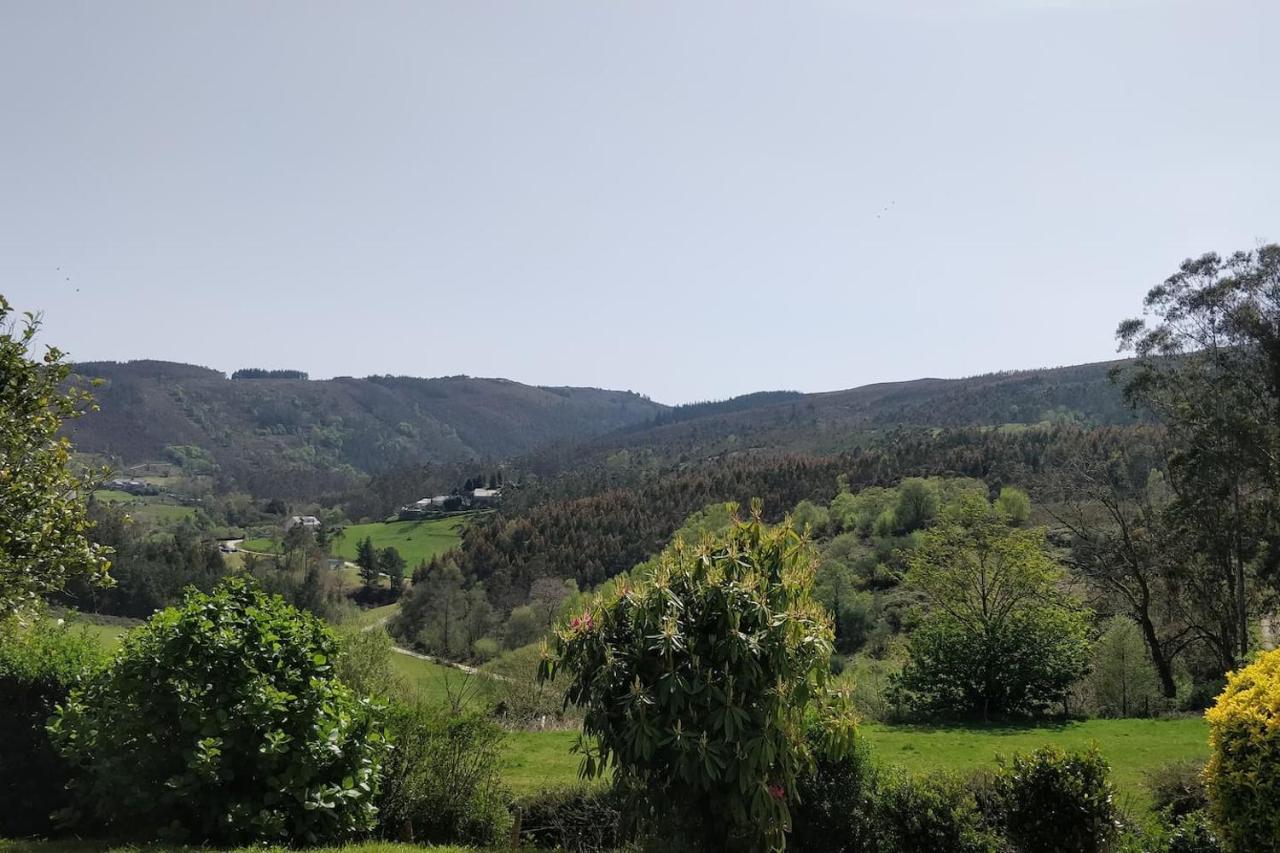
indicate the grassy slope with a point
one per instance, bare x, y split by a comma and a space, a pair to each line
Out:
433, 682
1133, 747
108, 636
417, 541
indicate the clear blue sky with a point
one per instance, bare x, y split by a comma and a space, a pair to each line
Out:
688, 199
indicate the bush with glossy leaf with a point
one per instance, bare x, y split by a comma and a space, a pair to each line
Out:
1243, 776
220, 720
1059, 802
696, 680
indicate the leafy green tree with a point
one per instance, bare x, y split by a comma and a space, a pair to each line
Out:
836, 586
44, 529
391, 564
367, 560
443, 615
522, 627
998, 637
1127, 546
1123, 681
1207, 363
917, 505
695, 683
811, 517
1015, 504
221, 720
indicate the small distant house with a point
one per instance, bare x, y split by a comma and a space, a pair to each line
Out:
133, 487
308, 521
485, 497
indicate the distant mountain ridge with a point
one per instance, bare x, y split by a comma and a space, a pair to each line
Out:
274, 434
836, 421
256, 429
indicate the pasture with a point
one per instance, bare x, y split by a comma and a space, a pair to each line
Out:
154, 510
1133, 748
417, 541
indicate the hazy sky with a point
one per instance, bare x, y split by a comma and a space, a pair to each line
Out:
688, 199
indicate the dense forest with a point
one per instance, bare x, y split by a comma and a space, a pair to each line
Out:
293, 437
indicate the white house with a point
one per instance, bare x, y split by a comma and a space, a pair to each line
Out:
308, 521
485, 497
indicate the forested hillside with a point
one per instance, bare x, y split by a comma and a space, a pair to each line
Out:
839, 421
293, 436
589, 535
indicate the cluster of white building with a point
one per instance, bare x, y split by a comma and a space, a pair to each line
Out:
474, 499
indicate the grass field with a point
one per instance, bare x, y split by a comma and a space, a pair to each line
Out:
435, 684
417, 541
376, 615
108, 636
148, 509
112, 496
1133, 747
261, 546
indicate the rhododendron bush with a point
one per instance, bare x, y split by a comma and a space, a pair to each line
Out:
698, 681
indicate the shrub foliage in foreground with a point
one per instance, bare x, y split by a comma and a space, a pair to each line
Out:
1058, 801
695, 683
40, 662
442, 782
1045, 802
220, 720
1243, 776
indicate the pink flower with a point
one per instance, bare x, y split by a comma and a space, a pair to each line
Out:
777, 792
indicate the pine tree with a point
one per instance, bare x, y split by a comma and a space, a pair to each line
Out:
367, 560
392, 565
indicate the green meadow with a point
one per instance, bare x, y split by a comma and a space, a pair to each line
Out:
417, 541
1132, 747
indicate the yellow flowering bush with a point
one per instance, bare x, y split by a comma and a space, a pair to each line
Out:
1243, 776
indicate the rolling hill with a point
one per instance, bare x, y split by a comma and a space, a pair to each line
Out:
836, 421
278, 432
295, 436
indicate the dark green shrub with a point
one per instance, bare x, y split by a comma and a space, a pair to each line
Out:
1193, 833
442, 781
1178, 788
39, 665
219, 720
577, 819
837, 801
1057, 802
926, 815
